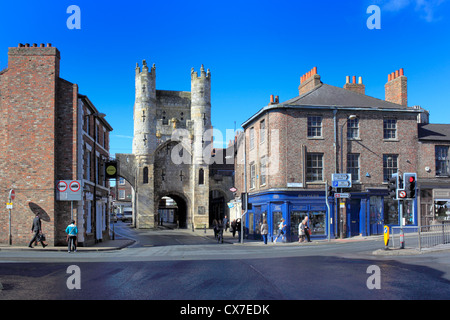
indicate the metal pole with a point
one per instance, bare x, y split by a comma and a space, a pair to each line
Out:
10, 234
245, 190
402, 235
328, 208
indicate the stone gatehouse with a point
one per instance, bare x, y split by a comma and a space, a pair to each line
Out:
173, 155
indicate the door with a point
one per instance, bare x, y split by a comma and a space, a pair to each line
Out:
353, 218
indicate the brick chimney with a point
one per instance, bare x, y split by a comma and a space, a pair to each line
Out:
273, 100
396, 89
353, 86
309, 81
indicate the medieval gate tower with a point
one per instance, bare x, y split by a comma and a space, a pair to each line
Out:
172, 149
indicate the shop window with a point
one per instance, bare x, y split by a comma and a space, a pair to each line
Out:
296, 218
277, 216
317, 222
390, 211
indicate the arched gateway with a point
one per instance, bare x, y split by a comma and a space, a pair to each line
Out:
172, 152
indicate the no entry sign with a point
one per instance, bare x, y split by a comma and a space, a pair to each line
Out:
68, 190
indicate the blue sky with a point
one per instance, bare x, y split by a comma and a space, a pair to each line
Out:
253, 48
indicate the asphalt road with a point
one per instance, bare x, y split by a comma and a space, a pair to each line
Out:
171, 265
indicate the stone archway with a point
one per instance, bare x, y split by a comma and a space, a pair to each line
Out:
179, 207
218, 207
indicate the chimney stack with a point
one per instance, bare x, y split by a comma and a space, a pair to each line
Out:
353, 86
309, 81
274, 100
396, 89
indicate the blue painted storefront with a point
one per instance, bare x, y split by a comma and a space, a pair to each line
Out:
365, 213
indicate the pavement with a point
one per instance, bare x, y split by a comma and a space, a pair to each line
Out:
121, 242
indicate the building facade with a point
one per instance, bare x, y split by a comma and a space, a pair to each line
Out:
173, 153
291, 149
49, 132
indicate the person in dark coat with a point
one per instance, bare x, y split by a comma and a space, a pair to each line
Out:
37, 229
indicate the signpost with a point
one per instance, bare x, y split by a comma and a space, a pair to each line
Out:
342, 180
69, 190
9, 206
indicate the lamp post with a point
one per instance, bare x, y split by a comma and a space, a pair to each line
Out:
343, 212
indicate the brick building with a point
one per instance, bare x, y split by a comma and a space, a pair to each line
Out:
49, 132
434, 173
294, 147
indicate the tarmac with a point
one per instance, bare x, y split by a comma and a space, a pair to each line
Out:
121, 242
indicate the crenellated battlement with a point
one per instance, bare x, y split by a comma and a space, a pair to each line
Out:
145, 68
203, 74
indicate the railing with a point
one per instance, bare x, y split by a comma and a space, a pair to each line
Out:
423, 236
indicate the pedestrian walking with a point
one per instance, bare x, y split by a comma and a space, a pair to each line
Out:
72, 232
38, 236
307, 229
226, 223
233, 227
238, 227
301, 231
265, 230
281, 231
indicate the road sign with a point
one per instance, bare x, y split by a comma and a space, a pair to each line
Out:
12, 195
62, 186
342, 195
9, 205
341, 180
401, 194
68, 190
75, 186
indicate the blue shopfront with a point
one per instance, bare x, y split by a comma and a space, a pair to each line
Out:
293, 207
366, 214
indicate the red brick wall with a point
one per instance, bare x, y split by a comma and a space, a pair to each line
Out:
28, 102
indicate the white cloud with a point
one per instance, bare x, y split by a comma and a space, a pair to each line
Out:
426, 8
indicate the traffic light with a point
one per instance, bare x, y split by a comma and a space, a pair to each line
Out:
392, 186
330, 192
410, 185
244, 202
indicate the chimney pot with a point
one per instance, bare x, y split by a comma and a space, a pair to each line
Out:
277, 100
347, 79
360, 80
401, 72
396, 73
271, 98
354, 79
49, 45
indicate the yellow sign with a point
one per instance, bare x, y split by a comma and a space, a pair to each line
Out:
111, 170
9, 205
386, 235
